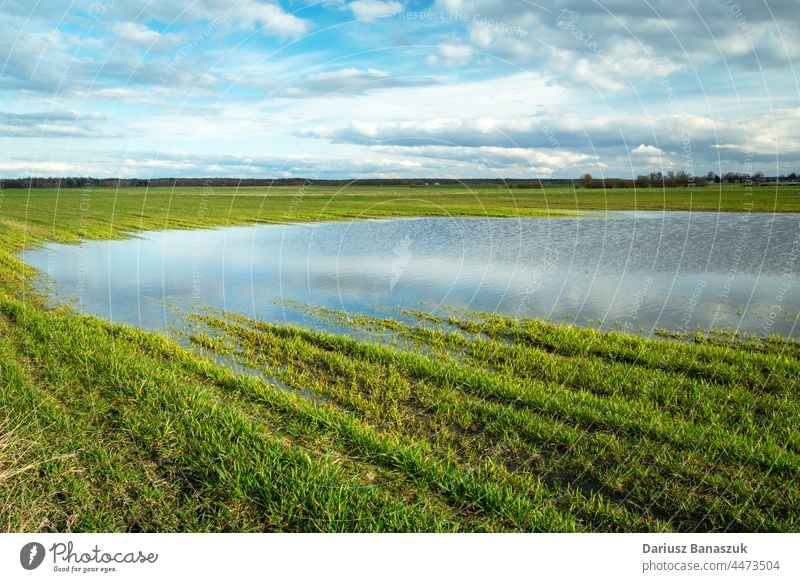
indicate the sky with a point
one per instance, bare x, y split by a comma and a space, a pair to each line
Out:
398, 88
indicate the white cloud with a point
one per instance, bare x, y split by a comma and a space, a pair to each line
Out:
451, 55
346, 81
271, 17
617, 44
616, 72
451, 98
35, 168
138, 34
450, 131
372, 9
62, 123
623, 83
536, 161
246, 14
646, 150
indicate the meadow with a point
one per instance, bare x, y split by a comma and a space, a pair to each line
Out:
466, 422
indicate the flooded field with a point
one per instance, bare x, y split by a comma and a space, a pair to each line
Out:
634, 271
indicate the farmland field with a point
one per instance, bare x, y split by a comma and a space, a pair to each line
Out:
466, 422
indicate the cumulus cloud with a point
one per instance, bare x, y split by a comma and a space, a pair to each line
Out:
272, 19
615, 43
647, 150
140, 35
124, 163
684, 140
477, 87
452, 131
268, 15
532, 161
451, 55
120, 42
387, 162
56, 124
372, 9
35, 168
347, 81
534, 131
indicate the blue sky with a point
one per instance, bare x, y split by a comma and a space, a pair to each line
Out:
398, 88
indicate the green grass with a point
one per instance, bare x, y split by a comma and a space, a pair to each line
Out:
696, 453
103, 213
469, 422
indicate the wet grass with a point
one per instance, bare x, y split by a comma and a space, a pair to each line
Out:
104, 213
462, 422
656, 448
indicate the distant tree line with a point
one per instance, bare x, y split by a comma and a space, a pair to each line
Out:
654, 179
89, 182
673, 179
757, 178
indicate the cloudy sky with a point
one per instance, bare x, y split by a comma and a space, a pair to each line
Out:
398, 88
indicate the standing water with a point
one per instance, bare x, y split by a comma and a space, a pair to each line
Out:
637, 271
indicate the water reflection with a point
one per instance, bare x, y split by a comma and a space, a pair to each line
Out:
674, 270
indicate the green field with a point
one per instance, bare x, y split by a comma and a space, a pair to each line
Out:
470, 423
104, 212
